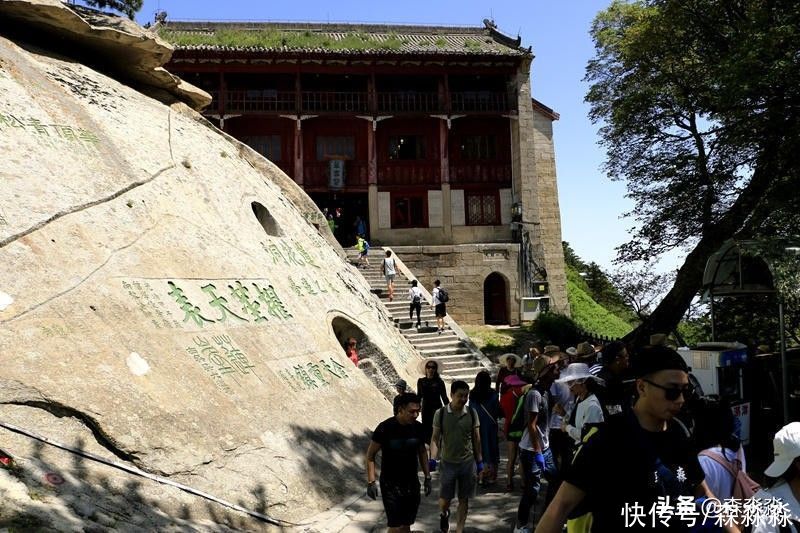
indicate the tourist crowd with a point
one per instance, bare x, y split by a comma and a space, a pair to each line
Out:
604, 440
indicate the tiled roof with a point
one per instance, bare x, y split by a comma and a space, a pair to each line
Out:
340, 39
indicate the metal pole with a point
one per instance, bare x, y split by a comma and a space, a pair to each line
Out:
713, 320
784, 366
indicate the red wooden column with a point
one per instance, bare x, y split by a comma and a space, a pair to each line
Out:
444, 150
372, 154
298, 152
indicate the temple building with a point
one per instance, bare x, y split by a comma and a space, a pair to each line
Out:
430, 135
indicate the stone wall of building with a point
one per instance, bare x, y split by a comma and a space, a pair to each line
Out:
463, 269
549, 214
535, 188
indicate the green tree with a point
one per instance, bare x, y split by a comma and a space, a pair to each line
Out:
128, 7
699, 107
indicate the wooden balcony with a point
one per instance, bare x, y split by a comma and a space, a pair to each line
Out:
315, 174
420, 173
268, 101
481, 172
479, 102
259, 101
409, 102
335, 102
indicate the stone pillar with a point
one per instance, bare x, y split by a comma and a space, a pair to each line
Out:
534, 186
444, 170
372, 204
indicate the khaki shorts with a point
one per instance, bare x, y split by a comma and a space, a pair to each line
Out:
461, 474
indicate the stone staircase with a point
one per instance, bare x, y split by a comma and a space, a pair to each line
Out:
457, 356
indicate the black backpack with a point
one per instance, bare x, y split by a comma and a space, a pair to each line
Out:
443, 296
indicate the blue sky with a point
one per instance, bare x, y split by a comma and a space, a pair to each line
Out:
591, 205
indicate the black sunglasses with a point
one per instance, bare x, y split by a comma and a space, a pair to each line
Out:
431, 367
672, 393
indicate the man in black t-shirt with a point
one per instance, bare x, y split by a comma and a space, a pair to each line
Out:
614, 395
401, 441
638, 471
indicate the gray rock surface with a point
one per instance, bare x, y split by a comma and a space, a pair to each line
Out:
171, 300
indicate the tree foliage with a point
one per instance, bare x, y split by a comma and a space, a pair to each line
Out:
699, 106
641, 288
128, 7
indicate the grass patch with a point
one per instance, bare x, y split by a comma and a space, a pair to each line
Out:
591, 316
472, 44
494, 342
441, 42
273, 38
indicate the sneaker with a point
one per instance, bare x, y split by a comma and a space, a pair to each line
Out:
523, 529
440, 331
444, 522
419, 324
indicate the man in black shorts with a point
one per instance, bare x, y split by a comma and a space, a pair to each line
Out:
401, 441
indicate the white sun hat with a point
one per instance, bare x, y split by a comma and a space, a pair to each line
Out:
577, 371
786, 447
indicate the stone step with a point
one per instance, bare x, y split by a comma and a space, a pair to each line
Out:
460, 368
454, 350
439, 342
467, 375
453, 358
448, 333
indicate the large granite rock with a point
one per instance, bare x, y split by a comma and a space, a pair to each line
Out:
179, 301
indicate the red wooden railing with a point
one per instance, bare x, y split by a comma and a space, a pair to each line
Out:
259, 101
479, 101
409, 102
496, 172
334, 101
409, 173
269, 101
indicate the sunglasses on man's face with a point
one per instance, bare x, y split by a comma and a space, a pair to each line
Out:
672, 393
430, 367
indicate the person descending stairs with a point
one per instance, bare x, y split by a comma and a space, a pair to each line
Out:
456, 355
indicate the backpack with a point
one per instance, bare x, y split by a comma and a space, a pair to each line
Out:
366, 246
443, 296
417, 298
743, 485
518, 422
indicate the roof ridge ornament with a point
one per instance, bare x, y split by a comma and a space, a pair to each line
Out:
501, 37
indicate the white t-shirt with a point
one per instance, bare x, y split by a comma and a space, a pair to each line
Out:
536, 403
783, 492
587, 411
414, 291
435, 295
388, 266
718, 479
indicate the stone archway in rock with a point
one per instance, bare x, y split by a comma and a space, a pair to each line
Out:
371, 359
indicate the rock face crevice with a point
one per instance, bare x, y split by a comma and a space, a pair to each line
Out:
60, 411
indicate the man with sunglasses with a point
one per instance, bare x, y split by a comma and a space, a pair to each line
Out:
638, 459
401, 441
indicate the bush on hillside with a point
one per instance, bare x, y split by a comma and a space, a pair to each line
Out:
591, 316
552, 328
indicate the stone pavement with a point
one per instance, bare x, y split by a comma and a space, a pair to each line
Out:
491, 510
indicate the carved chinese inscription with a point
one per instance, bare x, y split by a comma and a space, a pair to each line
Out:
313, 375
222, 360
253, 302
49, 134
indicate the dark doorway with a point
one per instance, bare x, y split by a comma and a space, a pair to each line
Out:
495, 300
345, 209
